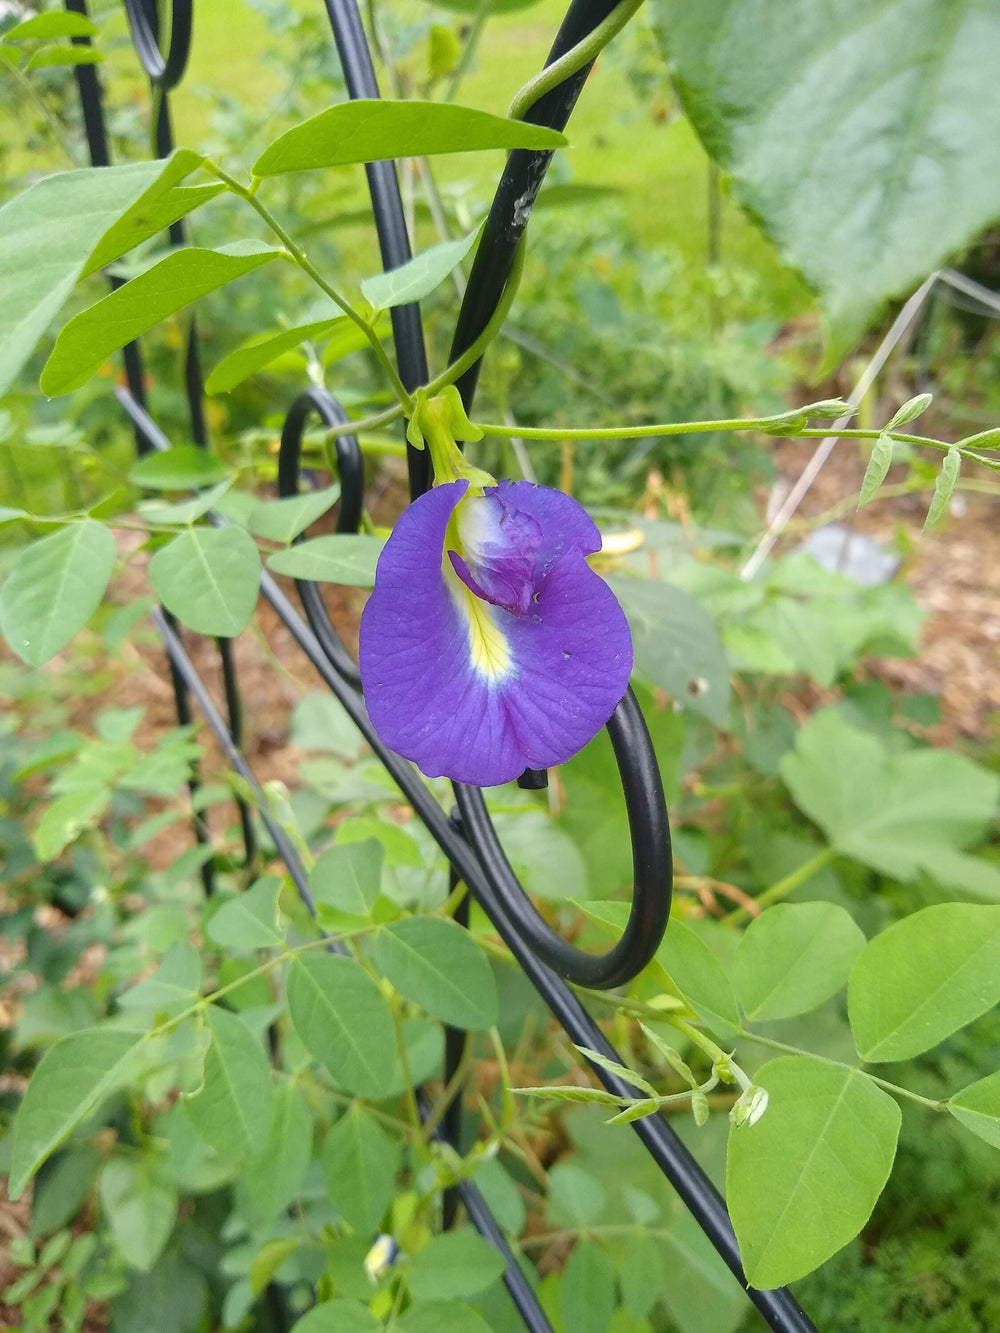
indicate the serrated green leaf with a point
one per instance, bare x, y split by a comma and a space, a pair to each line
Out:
944, 487
456, 1263
47, 234
780, 98
72, 1078
348, 877
343, 1021
373, 131
209, 579
910, 410
64, 55
977, 1107
54, 587
283, 520
803, 1180
793, 957
246, 361
231, 1111
348, 558
360, 1161
54, 24
924, 978
879, 463
140, 1202
438, 965
418, 278
175, 282
250, 919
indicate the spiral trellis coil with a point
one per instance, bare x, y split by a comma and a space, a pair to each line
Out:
468, 839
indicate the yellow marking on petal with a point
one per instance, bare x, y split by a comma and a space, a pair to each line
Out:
489, 651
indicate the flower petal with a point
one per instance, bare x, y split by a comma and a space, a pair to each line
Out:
474, 691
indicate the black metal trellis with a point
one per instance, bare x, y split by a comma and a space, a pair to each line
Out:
468, 838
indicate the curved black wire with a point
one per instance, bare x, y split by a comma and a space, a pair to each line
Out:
166, 71
651, 859
351, 474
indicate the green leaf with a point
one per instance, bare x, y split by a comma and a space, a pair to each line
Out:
343, 1021
438, 965
418, 278
613, 1067
246, 361
47, 234
637, 1111
173, 987
338, 1317
209, 579
249, 920
793, 957
54, 586
140, 1202
9, 515
283, 520
879, 464
803, 1180
273, 1179
149, 217
61, 1187
269, 1259
863, 105
944, 487
337, 558
442, 1317
183, 511
64, 55
72, 1078
348, 876
700, 977
231, 1111
54, 24
895, 812
576, 1198
676, 646
587, 1292
182, 277
911, 409
977, 1107
373, 131
360, 1162
66, 818
924, 978
571, 1093
695, 1285
456, 1263
181, 468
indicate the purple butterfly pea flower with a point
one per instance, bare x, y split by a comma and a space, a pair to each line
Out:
489, 645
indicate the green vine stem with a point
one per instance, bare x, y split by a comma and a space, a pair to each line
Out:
581, 54
249, 193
